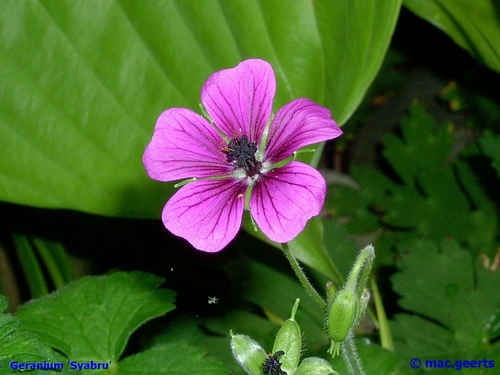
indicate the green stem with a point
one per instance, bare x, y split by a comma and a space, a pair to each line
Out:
351, 356
385, 330
302, 277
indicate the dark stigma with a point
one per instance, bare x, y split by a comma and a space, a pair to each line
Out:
272, 365
241, 153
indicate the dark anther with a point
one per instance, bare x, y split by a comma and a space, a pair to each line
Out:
241, 153
272, 365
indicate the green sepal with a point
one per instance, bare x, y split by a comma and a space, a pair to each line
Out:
330, 291
315, 366
248, 353
342, 316
363, 304
289, 340
360, 272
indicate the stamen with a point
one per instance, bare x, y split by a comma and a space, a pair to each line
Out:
241, 153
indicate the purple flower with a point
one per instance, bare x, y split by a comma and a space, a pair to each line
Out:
241, 159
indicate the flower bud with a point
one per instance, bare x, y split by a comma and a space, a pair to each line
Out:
342, 314
315, 366
289, 340
248, 353
360, 272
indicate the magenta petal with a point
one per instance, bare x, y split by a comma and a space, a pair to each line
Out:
207, 213
283, 200
299, 123
239, 100
184, 145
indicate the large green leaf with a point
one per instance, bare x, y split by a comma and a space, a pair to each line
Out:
434, 197
172, 359
491, 147
451, 301
93, 318
308, 247
22, 350
354, 37
82, 83
473, 25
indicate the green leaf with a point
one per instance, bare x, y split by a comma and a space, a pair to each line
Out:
451, 297
260, 301
421, 147
435, 197
491, 147
32, 268
83, 83
56, 261
471, 96
93, 318
474, 26
375, 360
352, 202
315, 366
45, 263
275, 293
355, 37
339, 247
492, 328
18, 346
307, 247
213, 334
172, 359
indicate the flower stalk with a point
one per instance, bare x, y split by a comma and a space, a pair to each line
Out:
302, 277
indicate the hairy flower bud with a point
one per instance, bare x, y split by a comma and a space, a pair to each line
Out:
289, 340
343, 313
248, 353
360, 272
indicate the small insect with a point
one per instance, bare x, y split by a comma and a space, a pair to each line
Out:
212, 300
272, 365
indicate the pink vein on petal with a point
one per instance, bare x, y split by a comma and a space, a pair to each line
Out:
283, 200
207, 213
239, 100
185, 145
299, 123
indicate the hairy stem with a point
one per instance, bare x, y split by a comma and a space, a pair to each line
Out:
302, 277
351, 356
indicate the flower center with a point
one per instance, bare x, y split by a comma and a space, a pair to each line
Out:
241, 153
